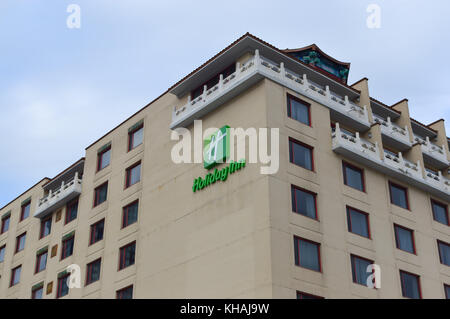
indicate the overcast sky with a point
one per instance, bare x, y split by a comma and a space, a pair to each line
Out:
61, 88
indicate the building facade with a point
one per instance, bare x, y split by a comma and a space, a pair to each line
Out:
359, 183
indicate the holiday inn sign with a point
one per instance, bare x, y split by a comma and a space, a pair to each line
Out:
216, 150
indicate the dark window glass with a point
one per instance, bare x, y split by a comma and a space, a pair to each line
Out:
2, 253
399, 196
104, 159
447, 291
25, 212
303, 203
404, 239
93, 272
126, 293
130, 214
410, 285
135, 138
358, 222
359, 270
213, 81
440, 212
444, 253
71, 211
126, 255
307, 254
37, 293
299, 110
46, 227
20, 242
300, 154
63, 288
67, 247
5, 224
353, 177
133, 175
100, 194
15, 275
41, 262
97, 232
303, 295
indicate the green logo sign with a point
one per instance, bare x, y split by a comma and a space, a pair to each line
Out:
216, 148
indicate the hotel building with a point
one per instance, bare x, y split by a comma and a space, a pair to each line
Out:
359, 183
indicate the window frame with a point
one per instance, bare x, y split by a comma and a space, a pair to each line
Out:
22, 211
314, 195
435, 202
352, 264
61, 280
63, 247
405, 189
292, 155
289, 108
13, 275
120, 291
33, 292
68, 206
418, 283
93, 227
97, 194
89, 270
38, 261
4, 219
346, 164
100, 158
122, 255
446, 293
439, 250
41, 231
4, 252
298, 293
131, 137
319, 256
349, 218
412, 238
125, 214
18, 238
128, 174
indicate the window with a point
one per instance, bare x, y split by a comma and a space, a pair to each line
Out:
125, 293
404, 239
135, 137
307, 254
126, 255
2, 253
213, 81
353, 176
38, 292
399, 195
359, 269
25, 210
71, 211
133, 175
304, 202
103, 158
440, 212
41, 261
46, 227
301, 154
20, 242
130, 214
93, 271
410, 285
304, 295
100, 194
358, 222
67, 246
299, 110
63, 289
96, 232
444, 253
5, 224
447, 291
15, 276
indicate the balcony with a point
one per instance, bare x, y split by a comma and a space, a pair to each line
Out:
368, 154
393, 134
434, 154
257, 68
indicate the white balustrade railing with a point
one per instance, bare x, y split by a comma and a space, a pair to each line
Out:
393, 130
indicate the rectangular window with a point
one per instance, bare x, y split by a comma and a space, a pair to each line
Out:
41, 262
2, 253
399, 195
133, 175
130, 214
67, 247
359, 269
135, 137
20, 242
71, 211
37, 293
353, 176
404, 239
46, 227
126, 255
444, 253
63, 289
5, 224
358, 222
307, 254
15, 276
97, 232
299, 110
93, 271
304, 295
301, 154
410, 285
103, 158
304, 202
25, 211
125, 293
100, 194
447, 291
440, 212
